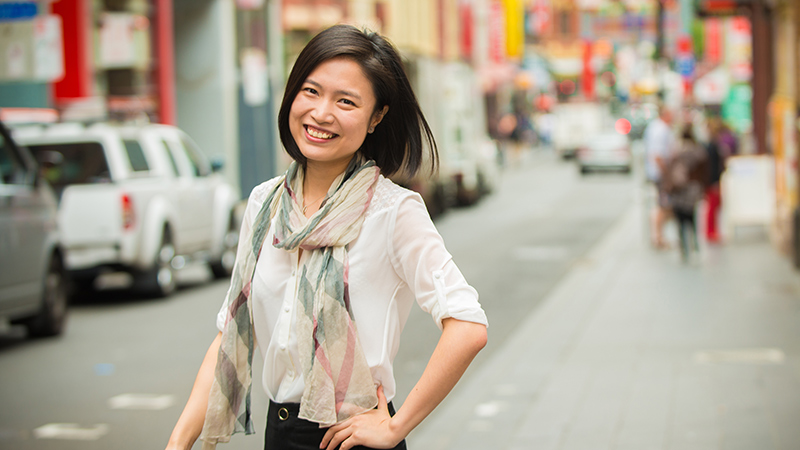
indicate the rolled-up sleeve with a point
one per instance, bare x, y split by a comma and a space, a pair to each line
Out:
421, 260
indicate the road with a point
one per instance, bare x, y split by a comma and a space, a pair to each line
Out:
125, 366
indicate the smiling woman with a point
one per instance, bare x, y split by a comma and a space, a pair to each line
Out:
332, 114
348, 246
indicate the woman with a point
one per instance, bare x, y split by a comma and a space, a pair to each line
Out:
331, 258
685, 178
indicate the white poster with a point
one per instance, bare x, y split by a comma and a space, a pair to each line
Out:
116, 40
254, 76
48, 48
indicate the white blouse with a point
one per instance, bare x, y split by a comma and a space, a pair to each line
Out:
399, 257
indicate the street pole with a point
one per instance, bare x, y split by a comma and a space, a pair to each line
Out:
659, 53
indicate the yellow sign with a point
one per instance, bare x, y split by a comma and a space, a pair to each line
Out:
515, 27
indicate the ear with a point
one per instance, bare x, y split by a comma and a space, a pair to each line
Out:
378, 116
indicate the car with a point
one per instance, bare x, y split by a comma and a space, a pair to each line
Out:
574, 124
140, 199
605, 151
33, 282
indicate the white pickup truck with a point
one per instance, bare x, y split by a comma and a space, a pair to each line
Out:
140, 199
574, 124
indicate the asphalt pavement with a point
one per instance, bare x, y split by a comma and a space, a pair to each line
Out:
633, 349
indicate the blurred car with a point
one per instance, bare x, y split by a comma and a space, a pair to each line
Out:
605, 151
135, 199
574, 124
33, 284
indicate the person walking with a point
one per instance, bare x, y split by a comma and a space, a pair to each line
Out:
684, 180
331, 258
659, 142
722, 145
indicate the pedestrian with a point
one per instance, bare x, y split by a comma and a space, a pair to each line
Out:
684, 180
722, 145
659, 142
331, 258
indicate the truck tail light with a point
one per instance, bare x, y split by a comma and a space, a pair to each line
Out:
128, 217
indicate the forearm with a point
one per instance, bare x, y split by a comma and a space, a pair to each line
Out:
457, 347
190, 423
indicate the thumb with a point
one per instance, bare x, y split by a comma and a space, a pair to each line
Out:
382, 403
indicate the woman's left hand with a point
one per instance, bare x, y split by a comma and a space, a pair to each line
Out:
370, 429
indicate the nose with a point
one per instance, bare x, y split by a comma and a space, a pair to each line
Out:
322, 111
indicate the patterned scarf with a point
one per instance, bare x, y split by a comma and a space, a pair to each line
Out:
338, 382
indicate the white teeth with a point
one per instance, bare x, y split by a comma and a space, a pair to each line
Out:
318, 134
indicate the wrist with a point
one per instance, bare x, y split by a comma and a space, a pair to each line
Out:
397, 431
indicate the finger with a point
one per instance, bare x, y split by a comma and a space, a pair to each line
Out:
330, 433
338, 438
382, 403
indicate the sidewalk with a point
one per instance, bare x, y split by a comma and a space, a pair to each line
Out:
634, 350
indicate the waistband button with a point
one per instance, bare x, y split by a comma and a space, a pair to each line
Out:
283, 414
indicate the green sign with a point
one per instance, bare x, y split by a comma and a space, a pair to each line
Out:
737, 109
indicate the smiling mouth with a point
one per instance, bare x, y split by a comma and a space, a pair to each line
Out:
319, 134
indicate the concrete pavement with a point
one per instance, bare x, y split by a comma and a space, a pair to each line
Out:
634, 350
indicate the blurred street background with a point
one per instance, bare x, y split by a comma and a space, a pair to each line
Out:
540, 108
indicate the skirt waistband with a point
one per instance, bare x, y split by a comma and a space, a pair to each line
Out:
286, 411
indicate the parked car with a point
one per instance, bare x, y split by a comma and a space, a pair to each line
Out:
605, 151
574, 124
33, 285
468, 158
140, 199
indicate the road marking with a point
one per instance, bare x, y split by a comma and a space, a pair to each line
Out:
741, 356
70, 431
151, 402
540, 253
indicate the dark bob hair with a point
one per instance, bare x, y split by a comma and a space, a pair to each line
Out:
397, 142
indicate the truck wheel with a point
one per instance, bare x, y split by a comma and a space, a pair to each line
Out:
53, 313
223, 267
160, 280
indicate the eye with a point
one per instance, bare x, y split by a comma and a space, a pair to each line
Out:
310, 90
347, 102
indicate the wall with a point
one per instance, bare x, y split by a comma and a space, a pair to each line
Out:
205, 78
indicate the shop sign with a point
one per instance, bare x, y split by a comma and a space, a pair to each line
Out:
713, 40
497, 33
116, 40
712, 89
16, 49
11, 11
540, 18
737, 107
48, 48
515, 27
31, 50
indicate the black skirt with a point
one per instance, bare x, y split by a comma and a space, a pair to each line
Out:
285, 431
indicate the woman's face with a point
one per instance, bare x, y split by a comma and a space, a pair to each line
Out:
332, 113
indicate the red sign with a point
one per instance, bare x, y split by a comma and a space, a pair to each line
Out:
713, 40
497, 32
465, 13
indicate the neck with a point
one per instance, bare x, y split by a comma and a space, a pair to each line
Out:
317, 179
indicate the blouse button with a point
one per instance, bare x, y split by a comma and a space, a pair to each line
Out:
437, 276
286, 308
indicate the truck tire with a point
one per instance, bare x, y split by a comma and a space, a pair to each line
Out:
159, 280
223, 267
50, 319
